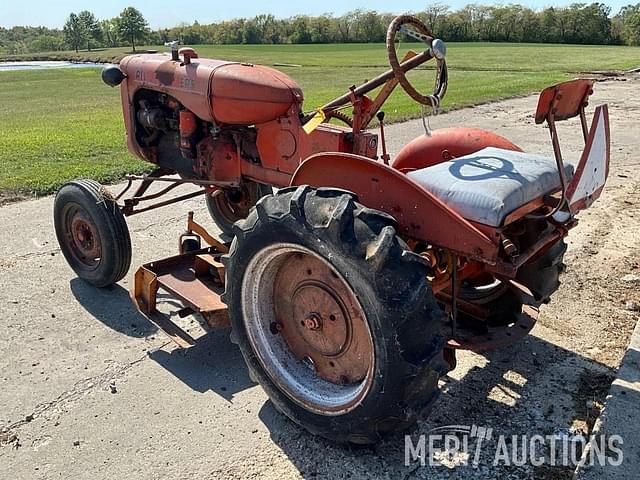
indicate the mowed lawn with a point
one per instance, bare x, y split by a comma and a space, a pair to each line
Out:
56, 125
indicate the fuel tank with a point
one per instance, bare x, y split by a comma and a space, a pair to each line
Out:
215, 90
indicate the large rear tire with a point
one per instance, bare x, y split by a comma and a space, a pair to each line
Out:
92, 232
333, 315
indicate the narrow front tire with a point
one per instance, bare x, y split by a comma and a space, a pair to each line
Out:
92, 232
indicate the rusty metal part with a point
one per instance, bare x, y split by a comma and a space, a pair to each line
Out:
373, 106
441, 262
525, 209
441, 75
187, 54
561, 102
509, 268
194, 227
192, 181
196, 279
455, 285
307, 328
385, 156
189, 279
145, 183
319, 321
565, 100
81, 236
129, 206
381, 79
343, 117
234, 204
159, 175
509, 247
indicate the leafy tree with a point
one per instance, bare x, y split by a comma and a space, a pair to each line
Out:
630, 20
368, 27
91, 26
132, 26
344, 25
267, 29
75, 33
434, 13
110, 32
46, 43
301, 32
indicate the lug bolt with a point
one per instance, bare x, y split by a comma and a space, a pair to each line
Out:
275, 327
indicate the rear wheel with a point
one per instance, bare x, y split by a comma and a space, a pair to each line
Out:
92, 232
228, 205
502, 302
499, 303
333, 315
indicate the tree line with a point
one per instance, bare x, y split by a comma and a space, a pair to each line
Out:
579, 23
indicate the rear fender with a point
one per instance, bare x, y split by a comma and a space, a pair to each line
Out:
419, 214
445, 144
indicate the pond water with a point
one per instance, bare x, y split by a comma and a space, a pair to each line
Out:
12, 66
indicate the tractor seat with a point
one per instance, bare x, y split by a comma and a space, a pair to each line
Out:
487, 185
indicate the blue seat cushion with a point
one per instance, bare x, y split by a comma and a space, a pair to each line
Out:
487, 185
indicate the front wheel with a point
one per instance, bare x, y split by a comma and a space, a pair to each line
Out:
334, 315
92, 232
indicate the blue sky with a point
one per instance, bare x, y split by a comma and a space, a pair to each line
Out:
167, 13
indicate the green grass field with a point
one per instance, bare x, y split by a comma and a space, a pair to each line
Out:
60, 124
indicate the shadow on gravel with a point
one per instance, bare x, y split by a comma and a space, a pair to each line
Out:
213, 364
532, 387
112, 306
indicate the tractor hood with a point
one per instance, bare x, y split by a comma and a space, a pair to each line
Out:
215, 90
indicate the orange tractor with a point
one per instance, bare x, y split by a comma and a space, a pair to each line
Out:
350, 286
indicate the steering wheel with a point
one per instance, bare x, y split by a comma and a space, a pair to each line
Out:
414, 28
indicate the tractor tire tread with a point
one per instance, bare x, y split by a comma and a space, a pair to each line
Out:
109, 217
331, 222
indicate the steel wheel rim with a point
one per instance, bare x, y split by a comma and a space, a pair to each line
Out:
267, 334
81, 236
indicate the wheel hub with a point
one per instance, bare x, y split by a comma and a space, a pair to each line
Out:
318, 323
82, 237
326, 337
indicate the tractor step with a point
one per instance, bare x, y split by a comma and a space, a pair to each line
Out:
195, 279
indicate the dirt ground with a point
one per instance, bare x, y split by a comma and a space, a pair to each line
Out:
90, 389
